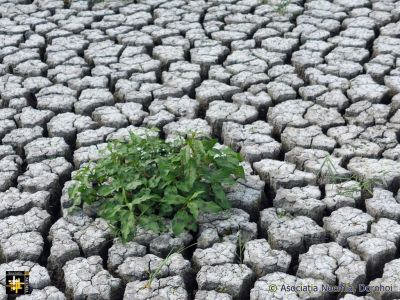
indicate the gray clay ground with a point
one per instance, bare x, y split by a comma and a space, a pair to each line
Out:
283, 84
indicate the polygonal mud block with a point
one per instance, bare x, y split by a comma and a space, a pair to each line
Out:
292, 234
365, 114
57, 98
142, 268
90, 99
93, 136
259, 256
94, 238
232, 221
163, 244
390, 281
185, 127
387, 229
14, 202
376, 251
333, 264
201, 295
347, 222
172, 288
35, 219
383, 205
18, 138
184, 107
383, 172
220, 111
317, 162
254, 140
235, 280
10, 167
280, 285
343, 194
47, 175
301, 201
211, 90
282, 174
308, 137
44, 148
219, 253
30, 117
68, 125
97, 283
120, 252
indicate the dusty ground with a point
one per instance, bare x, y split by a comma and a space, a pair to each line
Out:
284, 83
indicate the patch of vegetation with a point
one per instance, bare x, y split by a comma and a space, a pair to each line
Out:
157, 185
365, 185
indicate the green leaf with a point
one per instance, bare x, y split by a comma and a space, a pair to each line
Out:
105, 190
211, 207
128, 226
74, 194
184, 186
186, 155
138, 200
180, 221
151, 223
173, 199
133, 185
109, 210
196, 194
194, 208
220, 196
191, 173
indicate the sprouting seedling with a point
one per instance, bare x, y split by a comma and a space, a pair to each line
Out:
280, 213
281, 7
221, 289
350, 190
363, 184
241, 247
368, 184
328, 170
153, 274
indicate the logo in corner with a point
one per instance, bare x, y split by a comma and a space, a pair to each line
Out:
17, 282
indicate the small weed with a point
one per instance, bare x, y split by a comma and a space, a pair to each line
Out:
153, 275
365, 185
157, 185
241, 247
281, 7
280, 213
349, 189
221, 289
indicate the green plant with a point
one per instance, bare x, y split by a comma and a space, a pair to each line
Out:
281, 7
153, 274
365, 185
241, 242
280, 213
157, 185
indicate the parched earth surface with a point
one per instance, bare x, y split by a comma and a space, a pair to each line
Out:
284, 84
